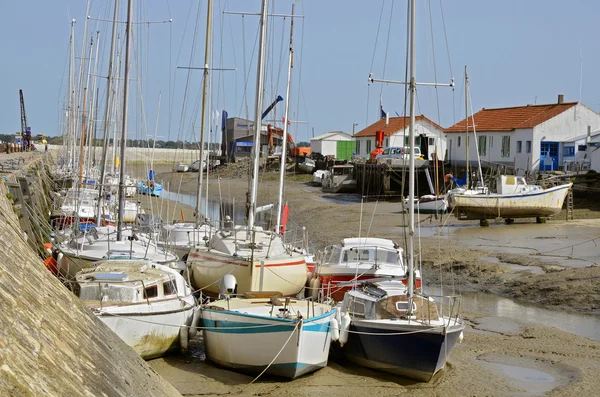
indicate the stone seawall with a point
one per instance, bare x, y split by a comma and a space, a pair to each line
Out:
50, 343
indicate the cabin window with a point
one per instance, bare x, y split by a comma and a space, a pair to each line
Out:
582, 148
402, 306
368, 146
505, 151
459, 139
528, 146
170, 288
151, 292
357, 308
569, 151
519, 146
482, 145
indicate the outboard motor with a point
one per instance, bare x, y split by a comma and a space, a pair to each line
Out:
228, 286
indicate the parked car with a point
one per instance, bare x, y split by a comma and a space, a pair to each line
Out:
399, 152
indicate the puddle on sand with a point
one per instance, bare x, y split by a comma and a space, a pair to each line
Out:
531, 378
340, 198
514, 267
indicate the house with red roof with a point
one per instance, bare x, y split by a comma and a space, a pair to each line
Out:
531, 137
428, 136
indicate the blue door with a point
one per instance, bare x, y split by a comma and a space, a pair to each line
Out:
549, 156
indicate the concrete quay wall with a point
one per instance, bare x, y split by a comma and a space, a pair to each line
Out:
50, 343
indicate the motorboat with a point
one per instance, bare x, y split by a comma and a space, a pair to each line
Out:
340, 179
307, 166
147, 304
320, 175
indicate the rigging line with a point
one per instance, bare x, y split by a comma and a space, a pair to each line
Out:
387, 45
300, 55
244, 100
434, 64
449, 62
247, 77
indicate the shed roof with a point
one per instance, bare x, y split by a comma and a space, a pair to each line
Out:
395, 124
330, 135
511, 118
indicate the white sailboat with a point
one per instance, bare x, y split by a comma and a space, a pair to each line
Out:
259, 259
389, 326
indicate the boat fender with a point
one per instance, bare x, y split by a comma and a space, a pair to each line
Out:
344, 326
335, 329
338, 315
195, 321
309, 277
183, 338
461, 337
316, 286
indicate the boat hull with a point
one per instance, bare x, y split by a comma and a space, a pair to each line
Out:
544, 203
148, 328
416, 355
286, 275
151, 190
249, 343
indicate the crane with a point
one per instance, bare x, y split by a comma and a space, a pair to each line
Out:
25, 130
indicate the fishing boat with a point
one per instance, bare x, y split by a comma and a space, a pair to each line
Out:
390, 326
514, 199
148, 305
430, 204
355, 259
258, 257
266, 332
340, 179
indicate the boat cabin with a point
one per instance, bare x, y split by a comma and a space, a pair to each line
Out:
511, 184
361, 252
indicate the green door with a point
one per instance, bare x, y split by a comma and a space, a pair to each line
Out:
345, 149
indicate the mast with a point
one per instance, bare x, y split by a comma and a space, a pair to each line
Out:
411, 163
467, 126
260, 68
71, 147
82, 148
109, 97
285, 125
124, 125
203, 117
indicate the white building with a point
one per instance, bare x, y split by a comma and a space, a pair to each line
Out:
327, 144
528, 137
428, 136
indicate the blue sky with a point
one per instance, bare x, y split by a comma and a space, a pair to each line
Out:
517, 52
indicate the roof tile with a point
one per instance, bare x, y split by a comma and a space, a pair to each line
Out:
395, 124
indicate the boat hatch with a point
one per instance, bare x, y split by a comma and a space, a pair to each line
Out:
112, 276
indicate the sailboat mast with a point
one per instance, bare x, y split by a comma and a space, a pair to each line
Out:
411, 162
467, 126
285, 125
82, 148
71, 135
109, 97
203, 117
260, 69
124, 125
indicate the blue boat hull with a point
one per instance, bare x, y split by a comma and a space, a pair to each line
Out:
152, 190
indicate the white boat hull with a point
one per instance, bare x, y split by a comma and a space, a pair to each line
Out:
286, 275
542, 203
148, 328
250, 343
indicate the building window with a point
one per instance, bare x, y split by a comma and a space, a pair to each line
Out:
569, 151
519, 146
387, 142
459, 141
528, 146
505, 151
368, 146
406, 140
431, 141
491, 141
357, 147
482, 145
582, 148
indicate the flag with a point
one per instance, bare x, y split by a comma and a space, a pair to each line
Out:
283, 120
381, 111
285, 213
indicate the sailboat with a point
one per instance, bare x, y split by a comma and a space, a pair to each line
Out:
514, 197
259, 258
388, 326
262, 332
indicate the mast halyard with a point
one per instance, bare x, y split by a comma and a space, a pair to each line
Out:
109, 99
285, 125
467, 128
411, 162
203, 117
258, 115
124, 124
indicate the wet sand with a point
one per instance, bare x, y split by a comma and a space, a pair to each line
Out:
552, 264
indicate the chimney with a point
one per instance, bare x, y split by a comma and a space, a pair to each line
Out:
561, 98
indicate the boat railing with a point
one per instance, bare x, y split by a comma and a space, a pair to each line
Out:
449, 308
